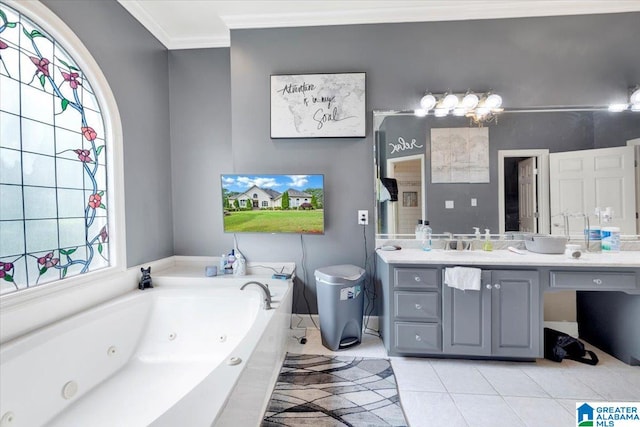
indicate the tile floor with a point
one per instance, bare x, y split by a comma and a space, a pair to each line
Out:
470, 393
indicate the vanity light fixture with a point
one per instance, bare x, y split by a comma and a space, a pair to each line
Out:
616, 108
633, 104
634, 98
478, 106
493, 100
470, 100
428, 101
440, 112
449, 102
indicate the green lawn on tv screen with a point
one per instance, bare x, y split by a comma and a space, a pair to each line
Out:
282, 221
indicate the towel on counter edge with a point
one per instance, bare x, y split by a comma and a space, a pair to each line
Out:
464, 278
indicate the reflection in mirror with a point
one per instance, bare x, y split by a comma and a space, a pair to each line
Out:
405, 156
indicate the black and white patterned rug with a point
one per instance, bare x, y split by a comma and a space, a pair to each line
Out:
334, 391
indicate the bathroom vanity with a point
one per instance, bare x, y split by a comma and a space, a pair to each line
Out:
421, 316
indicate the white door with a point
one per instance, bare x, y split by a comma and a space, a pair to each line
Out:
404, 214
635, 143
527, 200
582, 180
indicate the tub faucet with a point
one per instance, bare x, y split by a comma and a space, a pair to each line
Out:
267, 295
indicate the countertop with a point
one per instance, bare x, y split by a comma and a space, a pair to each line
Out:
505, 257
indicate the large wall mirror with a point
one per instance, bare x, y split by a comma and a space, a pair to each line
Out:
537, 170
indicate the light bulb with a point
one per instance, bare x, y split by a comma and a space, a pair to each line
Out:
470, 101
440, 112
493, 101
482, 111
459, 111
634, 98
616, 108
450, 101
428, 102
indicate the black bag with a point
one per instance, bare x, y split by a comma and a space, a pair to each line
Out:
558, 346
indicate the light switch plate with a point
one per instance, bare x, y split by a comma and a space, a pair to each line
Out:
448, 204
474, 202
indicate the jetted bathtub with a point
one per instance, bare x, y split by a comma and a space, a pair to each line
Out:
195, 354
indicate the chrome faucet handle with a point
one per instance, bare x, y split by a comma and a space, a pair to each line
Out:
266, 303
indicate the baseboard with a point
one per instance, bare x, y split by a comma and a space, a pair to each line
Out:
299, 321
570, 328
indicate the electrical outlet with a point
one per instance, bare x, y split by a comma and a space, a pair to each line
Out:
363, 217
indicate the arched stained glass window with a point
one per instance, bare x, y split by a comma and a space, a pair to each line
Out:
54, 206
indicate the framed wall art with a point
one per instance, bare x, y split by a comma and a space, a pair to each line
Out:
318, 105
460, 155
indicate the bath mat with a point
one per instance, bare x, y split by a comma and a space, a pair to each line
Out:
334, 391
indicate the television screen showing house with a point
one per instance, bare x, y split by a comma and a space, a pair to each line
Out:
273, 203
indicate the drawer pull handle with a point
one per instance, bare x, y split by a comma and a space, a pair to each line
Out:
597, 281
417, 278
488, 286
418, 307
497, 286
418, 338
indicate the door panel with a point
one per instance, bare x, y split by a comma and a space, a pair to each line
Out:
582, 180
515, 303
527, 195
467, 320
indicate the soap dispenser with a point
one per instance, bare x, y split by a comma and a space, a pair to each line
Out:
476, 240
487, 246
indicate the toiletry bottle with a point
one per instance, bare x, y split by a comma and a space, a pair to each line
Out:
476, 240
239, 266
487, 246
419, 230
231, 258
426, 236
223, 264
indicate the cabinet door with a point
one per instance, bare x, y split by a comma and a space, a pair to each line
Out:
466, 319
515, 307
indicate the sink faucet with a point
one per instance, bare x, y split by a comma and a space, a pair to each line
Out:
267, 295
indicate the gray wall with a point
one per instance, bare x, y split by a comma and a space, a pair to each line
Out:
580, 60
200, 94
135, 65
175, 111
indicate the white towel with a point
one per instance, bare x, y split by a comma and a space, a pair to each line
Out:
464, 278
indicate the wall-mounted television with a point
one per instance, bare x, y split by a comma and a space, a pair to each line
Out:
273, 203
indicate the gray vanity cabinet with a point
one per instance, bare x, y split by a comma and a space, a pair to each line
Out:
420, 316
410, 320
502, 319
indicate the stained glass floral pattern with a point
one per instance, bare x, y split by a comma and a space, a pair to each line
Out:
53, 211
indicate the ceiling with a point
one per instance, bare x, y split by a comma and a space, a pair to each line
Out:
190, 24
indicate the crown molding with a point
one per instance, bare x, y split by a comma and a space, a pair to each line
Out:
432, 11
138, 11
199, 42
400, 11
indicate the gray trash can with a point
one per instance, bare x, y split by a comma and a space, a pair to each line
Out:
340, 291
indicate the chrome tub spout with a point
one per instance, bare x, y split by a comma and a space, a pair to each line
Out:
267, 295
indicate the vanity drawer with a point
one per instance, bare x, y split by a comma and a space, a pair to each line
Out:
418, 278
592, 280
424, 306
418, 337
